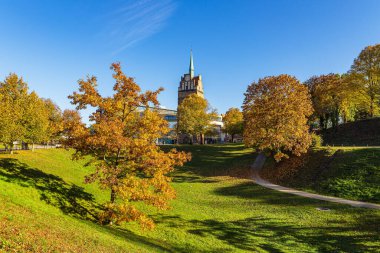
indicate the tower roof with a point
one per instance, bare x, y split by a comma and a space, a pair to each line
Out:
191, 67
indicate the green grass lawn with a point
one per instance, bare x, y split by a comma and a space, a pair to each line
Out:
47, 208
352, 173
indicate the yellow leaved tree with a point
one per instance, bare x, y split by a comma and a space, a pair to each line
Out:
233, 122
195, 117
14, 103
276, 111
366, 76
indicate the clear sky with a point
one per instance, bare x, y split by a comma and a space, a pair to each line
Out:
52, 44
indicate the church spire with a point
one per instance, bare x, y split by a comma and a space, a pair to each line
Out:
191, 67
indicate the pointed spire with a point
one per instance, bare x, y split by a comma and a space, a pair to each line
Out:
191, 67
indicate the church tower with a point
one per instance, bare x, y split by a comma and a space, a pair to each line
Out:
190, 83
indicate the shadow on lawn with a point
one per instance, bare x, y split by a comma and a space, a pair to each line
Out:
213, 161
274, 235
70, 198
250, 190
251, 234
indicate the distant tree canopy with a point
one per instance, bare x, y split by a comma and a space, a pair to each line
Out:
233, 122
25, 117
121, 142
195, 116
351, 96
276, 111
365, 73
36, 120
328, 95
55, 120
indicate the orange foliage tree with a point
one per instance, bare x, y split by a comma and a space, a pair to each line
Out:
121, 141
276, 111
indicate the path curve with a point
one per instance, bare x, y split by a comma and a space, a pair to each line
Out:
259, 163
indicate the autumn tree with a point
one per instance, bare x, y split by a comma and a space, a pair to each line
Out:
233, 122
355, 100
366, 74
14, 96
327, 94
276, 111
55, 125
36, 118
194, 117
121, 142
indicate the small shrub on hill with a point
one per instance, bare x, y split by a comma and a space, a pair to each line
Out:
351, 188
316, 140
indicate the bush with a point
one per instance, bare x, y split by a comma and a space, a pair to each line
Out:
351, 189
316, 140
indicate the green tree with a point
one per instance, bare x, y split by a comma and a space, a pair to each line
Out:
233, 122
276, 111
194, 117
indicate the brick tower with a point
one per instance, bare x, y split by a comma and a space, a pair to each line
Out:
189, 83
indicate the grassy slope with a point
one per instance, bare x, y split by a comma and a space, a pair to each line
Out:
358, 133
352, 173
44, 208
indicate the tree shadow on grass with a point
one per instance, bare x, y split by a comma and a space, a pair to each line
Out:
255, 234
69, 198
187, 177
214, 161
138, 239
161, 244
251, 191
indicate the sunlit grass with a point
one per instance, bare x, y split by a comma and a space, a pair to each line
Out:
348, 172
216, 210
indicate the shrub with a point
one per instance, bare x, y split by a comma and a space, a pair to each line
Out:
316, 140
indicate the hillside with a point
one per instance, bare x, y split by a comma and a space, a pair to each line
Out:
352, 173
358, 133
47, 208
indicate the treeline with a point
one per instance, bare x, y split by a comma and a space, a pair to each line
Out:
25, 117
280, 113
336, 98
351, 96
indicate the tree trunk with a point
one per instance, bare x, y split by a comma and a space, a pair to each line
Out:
326, 121
33, 147
232, 138
113, 192
113, 196
201, 141
321, 122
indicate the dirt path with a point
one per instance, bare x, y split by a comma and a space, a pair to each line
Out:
259, 163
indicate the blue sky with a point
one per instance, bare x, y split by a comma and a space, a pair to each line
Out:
52, 44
